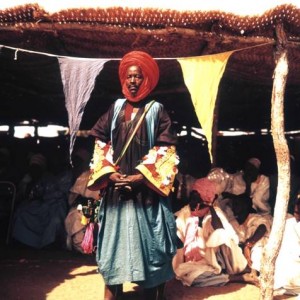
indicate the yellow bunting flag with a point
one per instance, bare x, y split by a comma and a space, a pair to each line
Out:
202, 75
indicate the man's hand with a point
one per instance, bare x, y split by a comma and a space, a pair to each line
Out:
247, 253
116, 177
134, 180
215, 219
122, 180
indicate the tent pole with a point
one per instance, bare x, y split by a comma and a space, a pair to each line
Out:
272, 248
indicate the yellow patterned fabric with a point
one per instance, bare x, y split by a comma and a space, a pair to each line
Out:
159, 168
102, 165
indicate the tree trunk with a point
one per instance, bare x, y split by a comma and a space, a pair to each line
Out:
272, 248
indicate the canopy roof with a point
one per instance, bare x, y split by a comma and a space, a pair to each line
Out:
31, 85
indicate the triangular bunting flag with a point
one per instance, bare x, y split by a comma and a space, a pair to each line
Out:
78, 78
202, 75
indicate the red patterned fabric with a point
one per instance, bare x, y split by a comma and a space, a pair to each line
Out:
159, 168
88, 240
149, 69
207, 189
101, 165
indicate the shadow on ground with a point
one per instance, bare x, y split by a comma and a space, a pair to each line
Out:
56, 274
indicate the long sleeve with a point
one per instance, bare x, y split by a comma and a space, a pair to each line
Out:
159, 168
102, 161
159, 165
101, 166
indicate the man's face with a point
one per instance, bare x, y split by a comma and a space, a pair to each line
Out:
241, 207
134, 79
250, 172
198, 206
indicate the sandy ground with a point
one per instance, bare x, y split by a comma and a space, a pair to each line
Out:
53, 274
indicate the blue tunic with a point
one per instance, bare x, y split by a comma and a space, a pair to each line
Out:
137, 235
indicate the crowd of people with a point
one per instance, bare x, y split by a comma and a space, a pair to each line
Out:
155, 221
241, 201
41, 199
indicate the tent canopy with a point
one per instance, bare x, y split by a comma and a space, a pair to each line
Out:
31, 86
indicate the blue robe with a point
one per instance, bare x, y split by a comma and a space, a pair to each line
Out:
137, 235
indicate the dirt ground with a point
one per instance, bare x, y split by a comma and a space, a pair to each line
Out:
55, 274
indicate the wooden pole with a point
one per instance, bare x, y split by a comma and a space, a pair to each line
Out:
272, 248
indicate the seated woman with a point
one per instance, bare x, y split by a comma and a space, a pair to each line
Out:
42, 207
211, 254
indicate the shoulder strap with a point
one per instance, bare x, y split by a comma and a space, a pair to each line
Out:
118, 105
139, 123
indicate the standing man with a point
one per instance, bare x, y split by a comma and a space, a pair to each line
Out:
134, 164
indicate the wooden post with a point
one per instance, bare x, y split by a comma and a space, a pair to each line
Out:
272, 248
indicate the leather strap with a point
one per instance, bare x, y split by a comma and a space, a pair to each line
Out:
139, 123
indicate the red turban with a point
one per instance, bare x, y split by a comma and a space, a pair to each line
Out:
206, 188
149, 70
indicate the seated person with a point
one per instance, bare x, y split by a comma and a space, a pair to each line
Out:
256, 185
75, 222
211, 254
42, 207
287, 267
247, 182
252, 228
